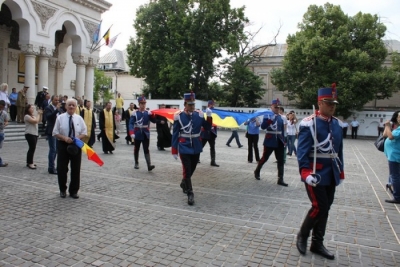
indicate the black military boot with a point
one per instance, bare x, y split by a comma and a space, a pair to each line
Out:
280, 176
213, 163
301, 243
257, 172
136, 156
318, 234
189, 191
183, 186
303, 234
281, 182
149, 166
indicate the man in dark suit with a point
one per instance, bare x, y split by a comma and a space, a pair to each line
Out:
40, 97
50, 113
45, 103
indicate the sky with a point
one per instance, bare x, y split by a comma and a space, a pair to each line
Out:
267, 15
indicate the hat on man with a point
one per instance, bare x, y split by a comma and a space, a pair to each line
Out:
45, 88
189, 98
210, 102
26, 86
328, 94
141, 99
276, 102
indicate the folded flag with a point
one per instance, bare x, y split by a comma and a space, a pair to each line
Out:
92, 155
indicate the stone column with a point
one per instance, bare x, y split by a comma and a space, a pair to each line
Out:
4, 40
60, 78
89, 83
44, 55
30, 51
80, 62
52, 76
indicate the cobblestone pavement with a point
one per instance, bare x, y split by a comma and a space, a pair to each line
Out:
127, 217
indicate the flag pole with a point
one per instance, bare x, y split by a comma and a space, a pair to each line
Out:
96, 47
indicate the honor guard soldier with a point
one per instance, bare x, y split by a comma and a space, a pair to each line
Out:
140, 132
186, 140
210, 136
320, 157
274, 141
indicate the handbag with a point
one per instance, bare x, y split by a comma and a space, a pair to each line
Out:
380, 143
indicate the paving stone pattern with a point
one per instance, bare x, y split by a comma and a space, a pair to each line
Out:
128, 217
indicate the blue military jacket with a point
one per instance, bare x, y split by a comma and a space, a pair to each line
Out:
208, 133
274, 130
329, 163
139, 124
186, 137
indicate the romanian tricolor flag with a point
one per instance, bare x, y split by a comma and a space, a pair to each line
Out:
221, 118
92, 155
106, 36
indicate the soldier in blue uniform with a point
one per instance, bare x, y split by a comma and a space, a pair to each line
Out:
140, 132
186, 140
210, 136
320, 180
274, 141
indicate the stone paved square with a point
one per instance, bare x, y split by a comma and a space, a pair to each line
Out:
128, 217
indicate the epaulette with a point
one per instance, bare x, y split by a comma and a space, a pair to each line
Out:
308, 121
133, 113
177, 114
339, 121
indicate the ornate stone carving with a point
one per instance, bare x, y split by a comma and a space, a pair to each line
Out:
30, 49
97, 5
61, 64
53, 63
92, 62
80, 59
91, 27
46, 52
44, 12
13, 55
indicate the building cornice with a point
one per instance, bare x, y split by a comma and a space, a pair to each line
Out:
98, 5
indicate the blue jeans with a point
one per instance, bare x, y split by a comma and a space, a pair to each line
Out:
290, 143
52, 152
394, 171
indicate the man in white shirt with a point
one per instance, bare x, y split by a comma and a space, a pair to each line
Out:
68, 127
354, 128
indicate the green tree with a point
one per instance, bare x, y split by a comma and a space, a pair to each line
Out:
177, 42
241, 85
102, 88
333, 47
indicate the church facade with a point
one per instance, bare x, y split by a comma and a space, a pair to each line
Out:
49, 43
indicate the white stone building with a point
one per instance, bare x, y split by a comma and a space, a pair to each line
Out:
114, 66
48, 43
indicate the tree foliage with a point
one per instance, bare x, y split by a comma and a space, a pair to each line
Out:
102, 88
177, 42
333, 47
242, 87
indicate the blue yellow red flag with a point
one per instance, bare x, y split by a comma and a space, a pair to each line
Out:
92, 155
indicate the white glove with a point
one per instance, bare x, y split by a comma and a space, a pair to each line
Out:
175, 156
341, 181
311, 180
208, 112
149, 113
132, 136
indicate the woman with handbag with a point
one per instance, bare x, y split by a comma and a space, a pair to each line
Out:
392, 152
253, 133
